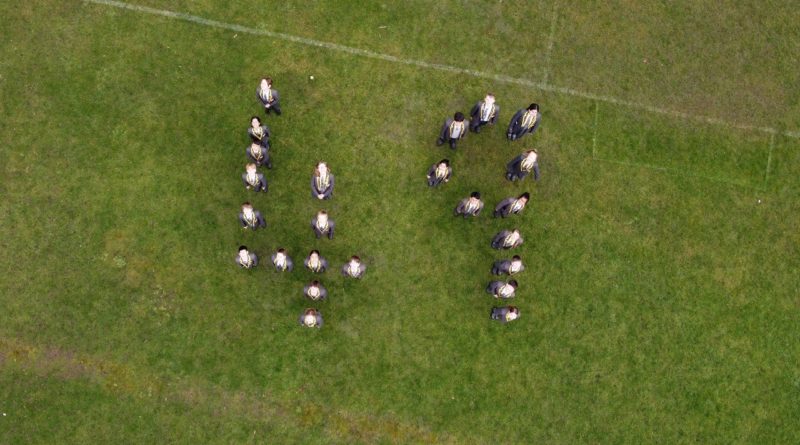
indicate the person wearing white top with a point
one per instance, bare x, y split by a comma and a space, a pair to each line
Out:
354, 268
523, 164
315, 263
524, 122
510, 267
322, 225
471, 206
439, 173
507, 239
269, 98
484, 112
499, 289
322, 182
512, 206
258, 132
311, 318
452, 130
505, 314
281, 261
315, 291
251, 178
251, 219
246, 259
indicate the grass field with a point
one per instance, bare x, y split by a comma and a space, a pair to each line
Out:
660, 303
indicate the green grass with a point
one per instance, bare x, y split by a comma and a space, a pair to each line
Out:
657, 307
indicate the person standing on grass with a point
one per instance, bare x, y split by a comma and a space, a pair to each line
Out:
268, 97
507, 239
439, 173
253, 179
452, 130
523, 164
281, 261
258, 155
524, 122
354, 268
471, 206
311, 318
322, 182
251, 219
315, 263
322, 226
258, 132
246, 259
315, 291
499, 289
505, 314
511, 206
510, 267
484, 112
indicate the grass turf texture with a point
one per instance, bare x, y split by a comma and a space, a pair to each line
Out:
657, 307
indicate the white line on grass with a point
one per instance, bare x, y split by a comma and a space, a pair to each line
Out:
769, 159
438, 66
550, 42
680, 172
594, 135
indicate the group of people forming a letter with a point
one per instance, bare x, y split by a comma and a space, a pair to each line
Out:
525, 121
322, 184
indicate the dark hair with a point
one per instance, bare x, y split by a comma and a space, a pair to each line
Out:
445, 162
525, 195
513, 309
475, 195
315, 283
516, 257
310, 311
513, 283
533, 106
256, 118
355, 257
281, 250
459, 116
269, 80
322, 212
314, 251
241, 248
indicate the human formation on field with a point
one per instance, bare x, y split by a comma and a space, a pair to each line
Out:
525, 121
322, 186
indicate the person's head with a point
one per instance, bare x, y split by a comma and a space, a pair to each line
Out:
255, 122
513, 283
281, 252
458, 117
513, 309
247, 207
314, 254
444, 163
243, 253
475, 195
533, 107
310, 317
323, 215
322, 168
242, 249
266, 82
255, 147
524, 197
531, 154
355, 259
315, 283
489, 99
516, 258
251, 168
515, 232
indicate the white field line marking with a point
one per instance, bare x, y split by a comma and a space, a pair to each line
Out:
680, 172
441, 67
594, 136
550, 42
769, 159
